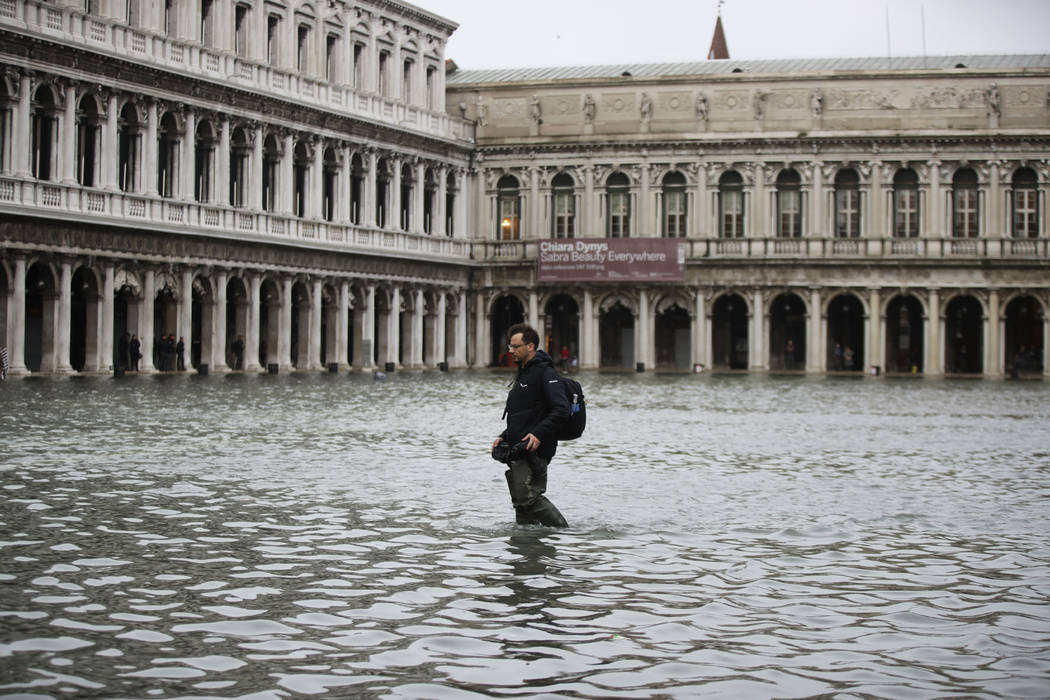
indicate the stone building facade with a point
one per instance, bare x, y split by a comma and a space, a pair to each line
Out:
837, 214
276, 184
310, 185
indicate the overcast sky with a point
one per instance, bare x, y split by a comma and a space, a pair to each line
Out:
512, 33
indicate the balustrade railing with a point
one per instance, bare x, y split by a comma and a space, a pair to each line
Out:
72, 25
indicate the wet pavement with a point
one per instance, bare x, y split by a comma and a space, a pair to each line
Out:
330, 535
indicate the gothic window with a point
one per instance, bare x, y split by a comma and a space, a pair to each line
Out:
330, 177
1025, 204
906, 204
240, 153
301, 177
618, 199
45, 134
847, 204
563, 193
89, 136
731, 205
509, 209
674, 205
129, 148
203, 162
965, 208
167, 155
270, 171
789, 204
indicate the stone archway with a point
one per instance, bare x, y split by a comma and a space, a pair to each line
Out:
729, 332
41, 317
300, 335
562, 328
269, 323
905, 333
507, 310
127, 299
84, 321
236, 322
201, 322
616, 335
329, 325
1024, 336
845, 348
673, 327
787, 332
964, 336
165, 326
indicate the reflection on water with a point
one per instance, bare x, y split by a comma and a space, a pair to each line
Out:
731, 537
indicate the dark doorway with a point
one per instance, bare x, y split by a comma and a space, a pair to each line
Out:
1024, 336
845, 351
904, 335
729, 332
616, 332
562, 321
673, 343
964, 337
787, 333
506, 311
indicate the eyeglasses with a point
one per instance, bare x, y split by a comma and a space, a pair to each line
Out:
512, 346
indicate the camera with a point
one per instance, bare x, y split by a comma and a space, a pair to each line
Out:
508, 452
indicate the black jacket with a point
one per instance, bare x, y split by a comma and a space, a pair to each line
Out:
536, 404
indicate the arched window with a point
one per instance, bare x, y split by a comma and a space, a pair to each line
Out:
965, 207
45, 132
329, 179
203, 161
270, 172
789, 204
429, 193
618, 199
563, 206
731, 205
89, 141
674, 205
906, 204
509, 209
240, 153
451, 192
357, 180
1025, 204
130, 140
382, 192
847, 204
408, 185
167, 155
301, 175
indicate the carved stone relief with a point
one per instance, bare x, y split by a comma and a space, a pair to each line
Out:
732, 100
621, 105
508, 109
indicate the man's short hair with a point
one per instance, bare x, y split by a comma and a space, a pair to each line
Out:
528, 333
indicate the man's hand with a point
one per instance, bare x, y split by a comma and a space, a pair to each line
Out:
498, 441
532, 443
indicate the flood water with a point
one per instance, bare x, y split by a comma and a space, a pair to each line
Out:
332, 535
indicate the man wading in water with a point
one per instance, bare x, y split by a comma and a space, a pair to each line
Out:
536, 408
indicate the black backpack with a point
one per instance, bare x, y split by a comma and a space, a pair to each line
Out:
577, 421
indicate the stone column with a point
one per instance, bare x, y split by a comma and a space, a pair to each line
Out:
368, 197
393, 327
534, 312
368, 329
315, 193
286, 181
110, 147
149, 151
105, 359
440, 342
149, 295
816, 206
874, 329
589, 352
417, 199
314, 349
416, 351
459, 216
816, 354
932, 229
438, 226
69, 137
222, 165
285, 339
642, 332
65, 304
251, 333
17, 319
342, 326
699, 331
645, 220
459, 356
993, 227
254, 183
588, 223
22, 140
535, 217
481, 345
218, 323
186, 318
188, 161
758, 327
993, 356
934, 365
701, 215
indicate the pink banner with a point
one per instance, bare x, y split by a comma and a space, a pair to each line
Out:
610, 260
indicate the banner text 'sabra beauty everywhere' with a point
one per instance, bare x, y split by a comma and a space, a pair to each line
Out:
610, 260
